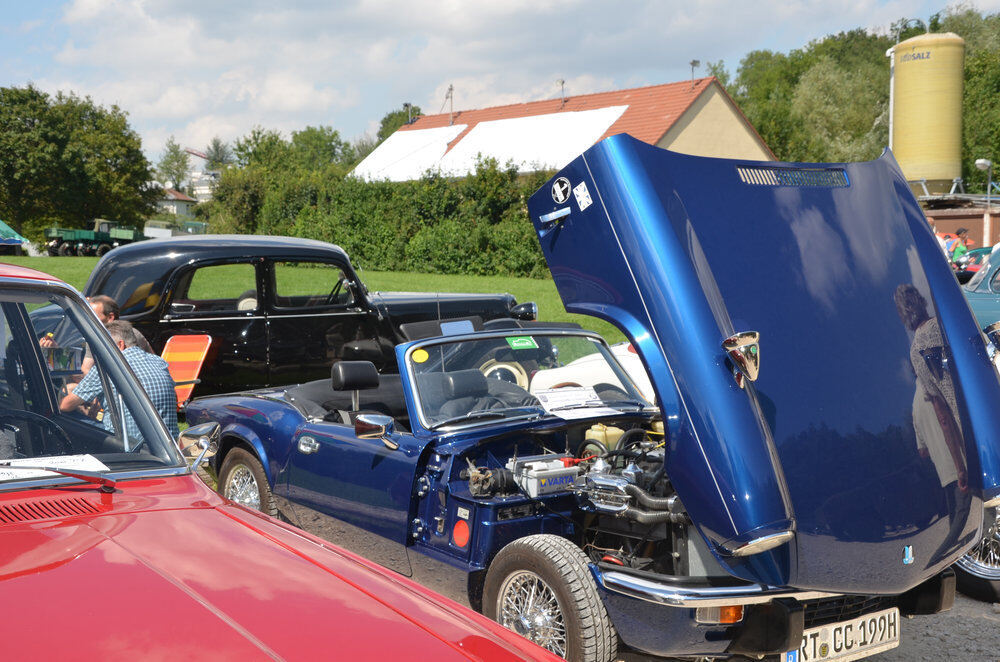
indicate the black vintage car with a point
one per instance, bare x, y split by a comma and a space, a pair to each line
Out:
280, 310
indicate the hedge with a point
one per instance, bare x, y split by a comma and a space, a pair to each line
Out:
473, 225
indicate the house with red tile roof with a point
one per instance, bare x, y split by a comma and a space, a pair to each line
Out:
694, 117
174, 202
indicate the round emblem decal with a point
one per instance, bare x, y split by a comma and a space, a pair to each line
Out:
560, 190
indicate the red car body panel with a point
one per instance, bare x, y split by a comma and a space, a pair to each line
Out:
166, 569
14, 271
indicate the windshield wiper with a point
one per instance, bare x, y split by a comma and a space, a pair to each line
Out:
478, 414
589, 404
106, 482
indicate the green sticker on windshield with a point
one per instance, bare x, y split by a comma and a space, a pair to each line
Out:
522, 342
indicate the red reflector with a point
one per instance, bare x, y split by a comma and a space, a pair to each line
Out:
632, 349
460, 534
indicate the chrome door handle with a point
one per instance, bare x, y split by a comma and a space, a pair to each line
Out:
308, 445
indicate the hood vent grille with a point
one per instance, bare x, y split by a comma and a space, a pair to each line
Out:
27, 511
834, 178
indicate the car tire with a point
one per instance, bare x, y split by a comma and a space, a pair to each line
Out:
103, 249
567, 615
242, 479
977, 573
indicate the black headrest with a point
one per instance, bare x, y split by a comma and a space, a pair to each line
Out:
465, 383
353, 375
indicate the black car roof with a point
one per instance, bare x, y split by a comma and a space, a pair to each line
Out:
157, 257
226, 245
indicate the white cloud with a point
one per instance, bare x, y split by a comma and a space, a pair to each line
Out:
176, 66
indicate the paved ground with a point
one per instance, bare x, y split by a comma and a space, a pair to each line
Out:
970, 632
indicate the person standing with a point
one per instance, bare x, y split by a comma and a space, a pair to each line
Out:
958, 248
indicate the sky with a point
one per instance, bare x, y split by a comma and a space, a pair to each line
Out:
196, 69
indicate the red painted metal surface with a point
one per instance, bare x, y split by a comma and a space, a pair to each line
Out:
13, 271
166, 569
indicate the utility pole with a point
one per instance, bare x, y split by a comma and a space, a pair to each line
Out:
450, 96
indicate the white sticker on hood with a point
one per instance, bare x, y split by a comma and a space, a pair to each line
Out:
582, 195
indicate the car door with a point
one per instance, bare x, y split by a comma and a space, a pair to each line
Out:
316, 316
221, 299
354, 492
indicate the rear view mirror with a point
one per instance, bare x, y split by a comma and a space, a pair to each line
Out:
200, 442
376, 426
525, 311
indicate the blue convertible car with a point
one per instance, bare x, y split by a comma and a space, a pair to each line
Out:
821, 449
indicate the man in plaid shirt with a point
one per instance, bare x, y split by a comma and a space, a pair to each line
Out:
153, 376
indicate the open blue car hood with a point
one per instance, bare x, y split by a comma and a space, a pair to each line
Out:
872, 431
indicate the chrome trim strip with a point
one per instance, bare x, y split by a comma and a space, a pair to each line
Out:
206, 318
762, 544
712, 596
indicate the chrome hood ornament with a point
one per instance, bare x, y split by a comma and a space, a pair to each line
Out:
744, 351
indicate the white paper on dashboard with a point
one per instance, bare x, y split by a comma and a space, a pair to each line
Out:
572, 402
71, 462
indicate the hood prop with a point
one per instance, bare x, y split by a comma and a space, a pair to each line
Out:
744, 351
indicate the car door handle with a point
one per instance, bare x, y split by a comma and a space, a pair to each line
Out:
308, 445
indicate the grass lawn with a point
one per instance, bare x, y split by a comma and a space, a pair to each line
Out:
75, 270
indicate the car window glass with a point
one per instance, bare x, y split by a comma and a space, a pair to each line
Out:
310, 284
38, 369
995, 283
217, 288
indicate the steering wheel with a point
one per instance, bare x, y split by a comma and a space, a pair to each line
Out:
332, 297
30, 416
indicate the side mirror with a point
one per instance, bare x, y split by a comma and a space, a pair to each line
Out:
525, 311
200, 442
376, 426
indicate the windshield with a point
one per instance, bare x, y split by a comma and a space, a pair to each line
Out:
110, 426
978, 277
479, 380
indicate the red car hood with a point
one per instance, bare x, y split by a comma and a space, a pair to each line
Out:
165, 569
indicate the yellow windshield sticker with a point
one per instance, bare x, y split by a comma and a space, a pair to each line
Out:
419, 356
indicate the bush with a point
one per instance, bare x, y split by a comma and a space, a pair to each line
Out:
474, 225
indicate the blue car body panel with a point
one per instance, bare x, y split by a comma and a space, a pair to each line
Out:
823, 443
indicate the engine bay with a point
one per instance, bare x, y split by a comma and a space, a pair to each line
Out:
603, 485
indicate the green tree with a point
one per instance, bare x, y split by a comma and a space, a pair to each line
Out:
264, 148
981, 126
718, 69
395, 119
218, 153
361, 147
843, 114
66, 160
316, 147
174, 165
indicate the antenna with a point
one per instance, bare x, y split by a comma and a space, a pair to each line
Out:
562, 91
694, 65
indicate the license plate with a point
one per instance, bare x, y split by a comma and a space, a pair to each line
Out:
849, 640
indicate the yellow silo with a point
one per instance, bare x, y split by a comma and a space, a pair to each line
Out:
926, 123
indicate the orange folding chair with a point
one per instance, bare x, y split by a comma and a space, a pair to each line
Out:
184, 356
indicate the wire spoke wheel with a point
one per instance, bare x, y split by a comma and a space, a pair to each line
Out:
983, 560
241, 487
528, 606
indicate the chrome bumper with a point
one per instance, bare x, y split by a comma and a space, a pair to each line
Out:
642, 588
